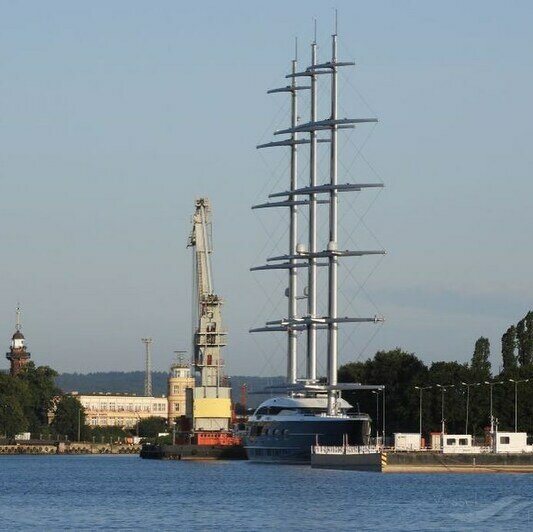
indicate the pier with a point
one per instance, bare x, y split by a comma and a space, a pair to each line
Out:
383, 461
508, 452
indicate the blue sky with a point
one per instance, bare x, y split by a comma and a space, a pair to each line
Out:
114, 116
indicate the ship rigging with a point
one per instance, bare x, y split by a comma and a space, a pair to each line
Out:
283, 429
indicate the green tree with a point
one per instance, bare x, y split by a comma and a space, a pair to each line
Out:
399, 372
524, 337
151, 426
529, 336
480, 372
480, 364
12, 420
41, 390
519, 367
353, 372
509, 359
12, 405
445, 379
69, 417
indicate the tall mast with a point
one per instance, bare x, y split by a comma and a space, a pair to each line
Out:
333, 327
299, 257
312, 268
293, 279
292, 263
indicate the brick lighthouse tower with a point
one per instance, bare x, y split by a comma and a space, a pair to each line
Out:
18, 356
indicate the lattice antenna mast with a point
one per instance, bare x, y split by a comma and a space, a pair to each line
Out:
148, 367
18, 325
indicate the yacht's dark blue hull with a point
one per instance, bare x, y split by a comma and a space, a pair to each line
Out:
291, 441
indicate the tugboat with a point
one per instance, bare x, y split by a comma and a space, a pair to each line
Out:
311, 412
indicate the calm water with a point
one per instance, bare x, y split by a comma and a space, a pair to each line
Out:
125, 492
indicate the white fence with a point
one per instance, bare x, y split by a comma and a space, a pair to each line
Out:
346, 449
372, 449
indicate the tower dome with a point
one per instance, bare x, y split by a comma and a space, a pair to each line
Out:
17, 336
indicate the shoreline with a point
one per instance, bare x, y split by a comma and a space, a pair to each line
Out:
68, 448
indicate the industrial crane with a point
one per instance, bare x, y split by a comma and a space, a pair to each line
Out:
210, 406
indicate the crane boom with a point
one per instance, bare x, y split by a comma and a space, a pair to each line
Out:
209, 336
201, 241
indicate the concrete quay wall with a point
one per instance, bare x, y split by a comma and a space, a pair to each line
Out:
68, 448
357, 462
427, 462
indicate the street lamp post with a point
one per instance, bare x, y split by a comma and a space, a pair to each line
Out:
491, 385
443, 421
376, 393
383, 417
468, 400
421, 389
516, 402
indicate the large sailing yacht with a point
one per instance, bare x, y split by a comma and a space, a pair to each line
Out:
311, 411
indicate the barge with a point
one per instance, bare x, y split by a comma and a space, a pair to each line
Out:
199, 446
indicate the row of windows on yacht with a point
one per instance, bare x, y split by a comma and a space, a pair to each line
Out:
261, 430
270, 452
285, 411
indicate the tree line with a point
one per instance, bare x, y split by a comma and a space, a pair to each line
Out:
406, 377
26, 399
